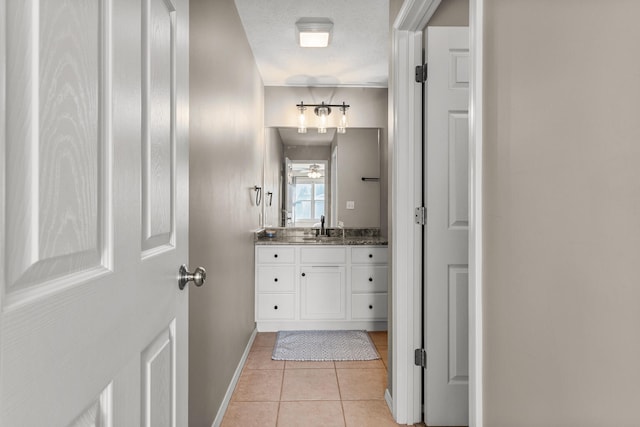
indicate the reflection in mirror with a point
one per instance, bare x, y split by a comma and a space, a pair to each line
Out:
314, 174
305, 196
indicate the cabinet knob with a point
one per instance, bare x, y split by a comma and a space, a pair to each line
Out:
370, 255
276, 255
275, 307
303, 274
275, 280
370, 307
371, 279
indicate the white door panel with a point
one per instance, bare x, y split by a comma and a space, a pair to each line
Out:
446, 232
92, 220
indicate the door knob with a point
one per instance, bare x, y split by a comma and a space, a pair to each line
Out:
198, 277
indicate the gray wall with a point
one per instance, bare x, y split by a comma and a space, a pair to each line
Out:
451, 13
226, 160
358, 156
562, 213
273, 168
308, 152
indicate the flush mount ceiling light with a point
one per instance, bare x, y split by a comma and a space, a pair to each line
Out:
322, 111
314, 32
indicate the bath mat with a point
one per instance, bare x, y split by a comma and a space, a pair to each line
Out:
320, 346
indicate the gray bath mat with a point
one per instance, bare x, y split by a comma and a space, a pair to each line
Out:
320, 346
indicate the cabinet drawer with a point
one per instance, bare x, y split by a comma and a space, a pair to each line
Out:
275, 306
369, 278
275, 255
369, 306
323, 256
277, 278
369, 255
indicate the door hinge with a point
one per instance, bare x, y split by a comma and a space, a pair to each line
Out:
421, 215
421, 357
421, 73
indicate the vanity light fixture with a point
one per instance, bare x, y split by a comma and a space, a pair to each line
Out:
314, 32
322, 111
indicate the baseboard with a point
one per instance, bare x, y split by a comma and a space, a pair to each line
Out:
234, 381
389, 400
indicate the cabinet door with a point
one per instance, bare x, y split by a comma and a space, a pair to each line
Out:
322, 292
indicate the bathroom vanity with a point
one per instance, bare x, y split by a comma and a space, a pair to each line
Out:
321, 283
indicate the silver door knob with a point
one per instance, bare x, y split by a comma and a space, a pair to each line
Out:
198, 277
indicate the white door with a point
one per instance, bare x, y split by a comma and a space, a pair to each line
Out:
446, 385
93, 212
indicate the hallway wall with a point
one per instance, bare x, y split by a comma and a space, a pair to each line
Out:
226, 155
562, 213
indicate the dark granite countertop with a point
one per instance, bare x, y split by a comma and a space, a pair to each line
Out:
307, 236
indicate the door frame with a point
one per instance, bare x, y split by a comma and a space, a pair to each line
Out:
405, 136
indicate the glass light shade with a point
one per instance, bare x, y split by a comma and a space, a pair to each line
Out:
302, 121
323, 112
314, 39
342, 126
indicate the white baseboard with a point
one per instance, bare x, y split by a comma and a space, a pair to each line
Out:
234, 381
389, 400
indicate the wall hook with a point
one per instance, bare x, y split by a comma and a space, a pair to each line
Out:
258, 191
270, 195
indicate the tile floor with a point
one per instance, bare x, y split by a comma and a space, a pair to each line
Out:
290, 394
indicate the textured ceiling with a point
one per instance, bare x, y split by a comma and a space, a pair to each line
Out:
357, 55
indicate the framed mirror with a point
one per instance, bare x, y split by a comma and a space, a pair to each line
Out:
313, 174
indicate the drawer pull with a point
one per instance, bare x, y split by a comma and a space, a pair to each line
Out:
275, 307
370, 255
371, 279
275, 280
370, 307
303, 274
275, 255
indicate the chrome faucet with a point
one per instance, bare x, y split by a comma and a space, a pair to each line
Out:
322, 230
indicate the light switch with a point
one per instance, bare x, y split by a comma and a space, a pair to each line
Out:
351, 204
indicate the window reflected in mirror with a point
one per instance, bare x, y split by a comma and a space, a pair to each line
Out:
307, 182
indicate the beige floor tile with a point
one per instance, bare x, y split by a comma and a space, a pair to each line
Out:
261, 359
309, 365
379, 338
360, 364
310, 384
368, 413
251, 414
264, 339
319, 413
362, 384
258, 386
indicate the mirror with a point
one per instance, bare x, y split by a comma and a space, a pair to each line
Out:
310, 175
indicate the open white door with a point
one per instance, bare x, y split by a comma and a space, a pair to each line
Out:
93, 212
446, 387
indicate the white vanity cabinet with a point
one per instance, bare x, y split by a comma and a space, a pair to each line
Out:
321, 287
